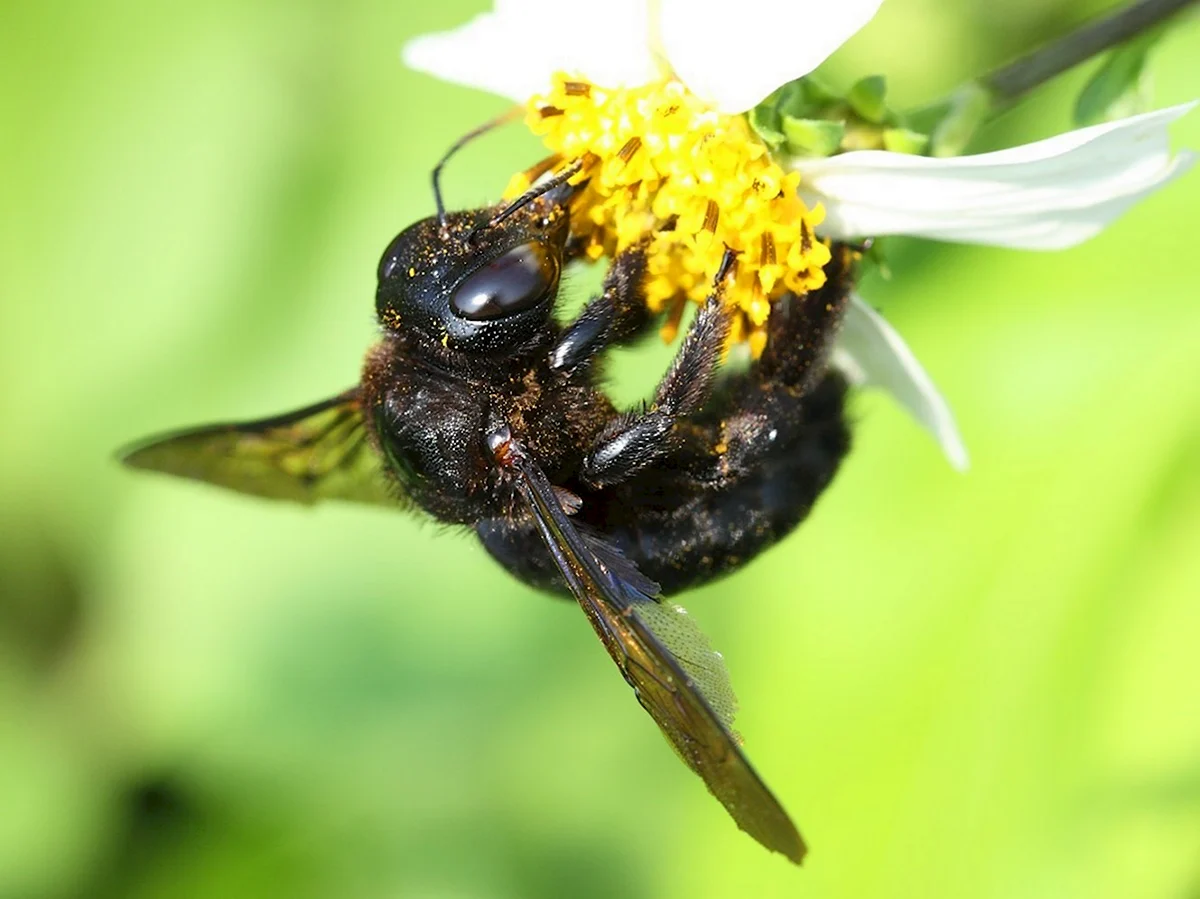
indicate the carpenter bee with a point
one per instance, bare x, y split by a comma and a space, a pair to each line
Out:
479, 409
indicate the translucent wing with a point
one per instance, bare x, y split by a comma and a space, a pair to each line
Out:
676, 675
315, 453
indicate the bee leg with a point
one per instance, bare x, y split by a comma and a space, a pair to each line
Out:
749, 466
617, 315
633, 441
727, 482
801, 330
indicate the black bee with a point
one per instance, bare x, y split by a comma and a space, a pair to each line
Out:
479, 409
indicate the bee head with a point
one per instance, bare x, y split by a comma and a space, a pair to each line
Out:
482, 281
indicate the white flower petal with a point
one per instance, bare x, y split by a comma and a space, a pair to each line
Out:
514, 50
872, 353
736, 56
1046, 195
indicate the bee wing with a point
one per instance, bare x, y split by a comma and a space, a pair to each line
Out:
675, 674
315, 453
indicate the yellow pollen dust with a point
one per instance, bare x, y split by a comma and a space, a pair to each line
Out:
662, 166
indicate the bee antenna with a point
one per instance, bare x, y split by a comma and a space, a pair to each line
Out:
458, 145
556, 180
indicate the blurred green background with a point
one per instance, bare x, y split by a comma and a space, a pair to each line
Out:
984, 685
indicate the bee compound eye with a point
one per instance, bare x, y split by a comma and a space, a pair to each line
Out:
512, 282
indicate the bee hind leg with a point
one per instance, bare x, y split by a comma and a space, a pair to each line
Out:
749, 467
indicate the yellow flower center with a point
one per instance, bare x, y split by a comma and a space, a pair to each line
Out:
662, 166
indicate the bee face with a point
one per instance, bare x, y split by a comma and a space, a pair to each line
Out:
479, 281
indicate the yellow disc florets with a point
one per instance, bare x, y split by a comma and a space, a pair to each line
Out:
661, 165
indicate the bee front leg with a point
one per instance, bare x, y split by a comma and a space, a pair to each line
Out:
617, 315
635, 440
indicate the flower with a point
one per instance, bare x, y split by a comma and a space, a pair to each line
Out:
651, 106
1048, 195
873, 354
718, 53
665, 170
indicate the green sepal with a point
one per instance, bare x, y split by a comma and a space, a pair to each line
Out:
802, 98
767, 124
902, 140
806, 118
815, 94
1120, 86
812, 137
866, 98
793, 99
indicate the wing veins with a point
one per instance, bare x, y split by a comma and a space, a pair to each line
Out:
662, 685
315, 453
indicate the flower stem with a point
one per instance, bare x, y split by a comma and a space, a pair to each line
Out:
953, 121
1012, 81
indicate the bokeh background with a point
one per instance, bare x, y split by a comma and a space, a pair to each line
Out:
982, 685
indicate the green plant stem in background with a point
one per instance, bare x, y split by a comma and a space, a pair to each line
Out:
954, 121
1012, 81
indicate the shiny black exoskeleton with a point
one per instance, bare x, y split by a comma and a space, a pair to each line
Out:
480, 408
711, 472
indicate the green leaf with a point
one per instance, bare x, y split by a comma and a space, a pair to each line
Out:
1117, 86
968, 108
765, 121
866, 98
1138, 100
902, 140
813, 137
